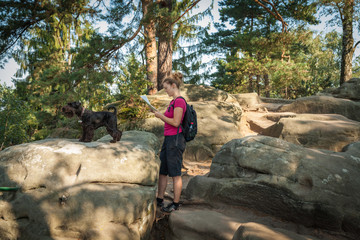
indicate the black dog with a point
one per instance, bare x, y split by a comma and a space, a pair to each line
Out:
93, 120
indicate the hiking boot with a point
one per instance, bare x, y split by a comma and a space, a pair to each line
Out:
169, 208
159, 202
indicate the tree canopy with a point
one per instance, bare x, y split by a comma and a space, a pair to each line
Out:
262, 46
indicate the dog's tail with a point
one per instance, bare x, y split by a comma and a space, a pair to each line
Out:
112, 107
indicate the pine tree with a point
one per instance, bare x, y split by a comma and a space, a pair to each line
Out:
163, 19
148, 8
345, 12
257, 48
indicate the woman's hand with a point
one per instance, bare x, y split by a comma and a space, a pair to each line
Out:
158, 114
172, 121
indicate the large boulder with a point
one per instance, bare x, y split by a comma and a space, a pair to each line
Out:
316, 188
192, 224
325, 131
230, 223
247, 100
324, 105
349, 89
255, 231
258, 122
252, 102
69, 189
198, 93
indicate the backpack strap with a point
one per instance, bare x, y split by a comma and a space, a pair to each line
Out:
173, 105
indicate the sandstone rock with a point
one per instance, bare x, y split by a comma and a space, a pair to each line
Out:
324, 131
252, 102
70, 189
255, 231
196, 151
247, 100
226, 222
258, 122
307, 186
273, 104
197, 224
280, 101
198, 93
218, 122
349, 89
324, 105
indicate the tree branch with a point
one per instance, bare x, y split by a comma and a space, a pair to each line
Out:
275, 13
356, 44
192, 5
340, 12
13, 42
111, 51
18, 32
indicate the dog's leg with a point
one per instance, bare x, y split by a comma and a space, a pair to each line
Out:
89, 134
119, 134
83, 136
113, 134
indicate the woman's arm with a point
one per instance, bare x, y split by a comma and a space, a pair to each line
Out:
178, 111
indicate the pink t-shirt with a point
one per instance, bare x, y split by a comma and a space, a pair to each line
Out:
170, 130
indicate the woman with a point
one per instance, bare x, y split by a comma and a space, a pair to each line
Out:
174, 143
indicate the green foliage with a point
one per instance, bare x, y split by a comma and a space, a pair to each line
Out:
260, 57
345, 15
187, 41
59, 72
131, 84
24, 19
17, 124
312, 64
57, 53
356, 68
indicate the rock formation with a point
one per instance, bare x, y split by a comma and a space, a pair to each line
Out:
79, 190
310, 187
349, 90
263, 187
324, 105
319, 131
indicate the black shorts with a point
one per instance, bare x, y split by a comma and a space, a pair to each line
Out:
171, 155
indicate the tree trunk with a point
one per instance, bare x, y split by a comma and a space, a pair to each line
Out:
267, 85
150, 47
347, 41
258, 84
250, 86
165, 39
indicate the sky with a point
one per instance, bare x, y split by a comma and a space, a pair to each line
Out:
11, 67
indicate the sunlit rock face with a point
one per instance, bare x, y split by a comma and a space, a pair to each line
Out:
349, 90
308, 186
317, 131
324, 105
71, 189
